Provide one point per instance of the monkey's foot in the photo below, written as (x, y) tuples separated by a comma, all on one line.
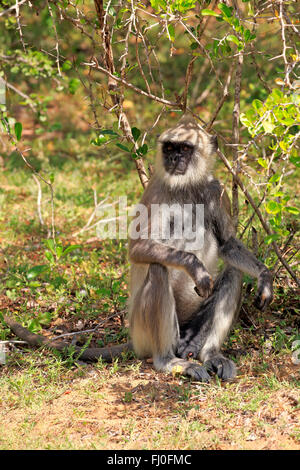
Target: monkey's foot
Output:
[(220, 365), (197, 372), (179, 366)]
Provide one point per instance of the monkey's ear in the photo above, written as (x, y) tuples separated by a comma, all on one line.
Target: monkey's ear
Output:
[(214, 142)]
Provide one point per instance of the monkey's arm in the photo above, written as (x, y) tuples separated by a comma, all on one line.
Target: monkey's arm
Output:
[(233, 252), (150, 251)]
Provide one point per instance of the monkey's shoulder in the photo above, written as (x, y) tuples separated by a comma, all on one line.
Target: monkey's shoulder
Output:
[(218, 194), (212, 189), (213, 194)]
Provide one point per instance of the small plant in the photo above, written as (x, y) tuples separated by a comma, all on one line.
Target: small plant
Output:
[(128, 397), (56, 251)]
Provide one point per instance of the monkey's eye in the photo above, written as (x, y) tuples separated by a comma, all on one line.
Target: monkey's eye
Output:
[(169, 147), (186, 148)]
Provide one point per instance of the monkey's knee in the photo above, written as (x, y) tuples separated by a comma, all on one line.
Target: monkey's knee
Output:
[(209, 327)]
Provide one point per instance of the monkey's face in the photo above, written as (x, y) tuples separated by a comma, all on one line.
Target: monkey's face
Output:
[(185, 153), (177, 156)]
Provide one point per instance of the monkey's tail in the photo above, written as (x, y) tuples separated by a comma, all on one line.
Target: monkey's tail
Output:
[(84, 354)]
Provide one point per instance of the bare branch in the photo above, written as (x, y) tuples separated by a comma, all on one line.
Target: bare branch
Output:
[(84, 354)]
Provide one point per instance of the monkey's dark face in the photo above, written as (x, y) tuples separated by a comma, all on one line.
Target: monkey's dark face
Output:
[(177, 156)]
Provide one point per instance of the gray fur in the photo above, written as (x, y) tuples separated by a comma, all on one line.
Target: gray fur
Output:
[(164, 274)]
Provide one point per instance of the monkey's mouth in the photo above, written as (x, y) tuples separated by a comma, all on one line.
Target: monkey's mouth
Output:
[(176, 170)]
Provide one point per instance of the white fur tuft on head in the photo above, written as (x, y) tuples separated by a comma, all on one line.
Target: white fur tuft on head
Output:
[(188, 130)]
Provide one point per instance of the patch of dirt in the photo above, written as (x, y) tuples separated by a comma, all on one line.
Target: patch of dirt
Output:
[(150, 410)]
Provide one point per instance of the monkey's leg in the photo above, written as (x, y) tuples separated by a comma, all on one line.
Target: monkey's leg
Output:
[(204, 335), (154, 325)]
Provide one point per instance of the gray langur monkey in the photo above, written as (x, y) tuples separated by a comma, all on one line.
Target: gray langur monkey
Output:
[(180, 307)]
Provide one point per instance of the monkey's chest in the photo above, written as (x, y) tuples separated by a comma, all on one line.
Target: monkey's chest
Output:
[(182, 226)]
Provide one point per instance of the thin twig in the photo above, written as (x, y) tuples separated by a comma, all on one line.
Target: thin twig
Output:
[(56, 38), (28, 164), (222, 101), (39, 199), (14, 7), (96, 65), (188, 78), (236, 138)]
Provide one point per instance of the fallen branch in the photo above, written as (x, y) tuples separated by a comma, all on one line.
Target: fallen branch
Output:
[(84, 354)]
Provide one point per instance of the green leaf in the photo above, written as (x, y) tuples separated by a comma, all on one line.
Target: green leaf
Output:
[(135, 133), (73, 85), (262, 162), (59, 250), (143, 149), (67, 65), (227, 11), (34, 284), (49, 243), (100, 140), (268, 125), (171, 31), (207, 12), (277, 95), (295, 160), (122, 147), (49, 256), (247, 35), (274, 178), (45, 318), (18, 130), (158, 4), (292, 210), (271, 238), (108, 132), (34, 326), (278, 193), (234, 39), (36, 271), (273, 207), (257, 105), (70, 249), (248, 118)]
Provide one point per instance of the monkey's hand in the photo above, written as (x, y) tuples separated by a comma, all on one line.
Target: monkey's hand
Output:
[(201, 277), (264, 294), (204, 285)]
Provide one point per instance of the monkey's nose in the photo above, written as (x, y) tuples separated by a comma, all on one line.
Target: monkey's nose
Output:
[(175, 159)]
